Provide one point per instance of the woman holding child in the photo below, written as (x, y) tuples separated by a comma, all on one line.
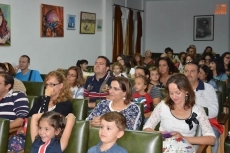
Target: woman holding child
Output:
[(119, 99), (179, 115)]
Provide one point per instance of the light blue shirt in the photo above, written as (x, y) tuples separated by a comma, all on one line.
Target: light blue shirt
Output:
[(35, 76), (114, 149)]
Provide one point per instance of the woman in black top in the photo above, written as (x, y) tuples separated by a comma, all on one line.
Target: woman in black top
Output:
[(57, 96)]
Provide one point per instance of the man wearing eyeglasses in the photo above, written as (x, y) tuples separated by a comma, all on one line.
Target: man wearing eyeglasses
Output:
[(13, 104), (96, 87), (205, 97), (26, 74)]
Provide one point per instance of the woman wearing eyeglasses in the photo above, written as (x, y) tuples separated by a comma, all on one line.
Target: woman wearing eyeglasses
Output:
[(119, 99), (57, 96), (76, 82)]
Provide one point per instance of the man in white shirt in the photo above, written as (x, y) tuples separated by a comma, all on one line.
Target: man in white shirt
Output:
[(205, 96)]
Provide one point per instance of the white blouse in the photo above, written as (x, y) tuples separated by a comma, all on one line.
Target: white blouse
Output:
[(170, 123)]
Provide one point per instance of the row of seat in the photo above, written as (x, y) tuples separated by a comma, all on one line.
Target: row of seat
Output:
[(84, 137)]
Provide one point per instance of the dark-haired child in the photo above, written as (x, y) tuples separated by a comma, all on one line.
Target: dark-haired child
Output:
[(141, 95), (112, 127), (50, 132)]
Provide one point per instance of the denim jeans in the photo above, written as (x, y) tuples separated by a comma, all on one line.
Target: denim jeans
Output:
[(216, 145)]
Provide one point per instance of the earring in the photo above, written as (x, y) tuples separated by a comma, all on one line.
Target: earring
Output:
[(124, 98), (186, 97)]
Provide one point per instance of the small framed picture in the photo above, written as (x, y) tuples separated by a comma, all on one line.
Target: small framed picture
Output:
[(87, 23), (99, 24), (71, 22), (203, 29)]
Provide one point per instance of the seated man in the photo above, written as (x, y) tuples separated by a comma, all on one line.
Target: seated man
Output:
[(205, 97), (26, 74), (96, 87), (13, 104)]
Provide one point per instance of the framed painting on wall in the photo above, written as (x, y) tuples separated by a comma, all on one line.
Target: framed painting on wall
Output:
[(52, 21), (203, 29), (5, 25), (71, 22), (87, 23)]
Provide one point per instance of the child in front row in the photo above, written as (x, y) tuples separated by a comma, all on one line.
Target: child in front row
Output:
[(155, 77), (50, 132), (112, 127), (141, 95)]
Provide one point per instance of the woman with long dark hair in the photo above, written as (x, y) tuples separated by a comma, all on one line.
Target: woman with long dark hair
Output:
[(128, 70), (166, 69)]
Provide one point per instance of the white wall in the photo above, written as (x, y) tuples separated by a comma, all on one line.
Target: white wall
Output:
[(51, 53), (48, 54), (170, 24)]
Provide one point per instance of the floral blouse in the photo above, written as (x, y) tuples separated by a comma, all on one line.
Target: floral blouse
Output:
[(132, 113)]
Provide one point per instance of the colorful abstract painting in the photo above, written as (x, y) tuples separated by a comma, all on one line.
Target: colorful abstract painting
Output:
[(52, 21), (5, 24)]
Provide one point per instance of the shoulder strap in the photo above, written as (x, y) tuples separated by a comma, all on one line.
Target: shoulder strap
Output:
[(31, 71), (103, 84)]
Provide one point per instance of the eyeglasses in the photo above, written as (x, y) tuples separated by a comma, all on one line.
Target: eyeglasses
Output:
[(71, 75), (114, 88), (51, 84)]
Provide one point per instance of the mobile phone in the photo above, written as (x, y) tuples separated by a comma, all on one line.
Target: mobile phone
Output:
[(166, 135)]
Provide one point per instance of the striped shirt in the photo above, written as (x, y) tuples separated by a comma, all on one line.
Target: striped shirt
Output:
[(96, 89), (14, 105)]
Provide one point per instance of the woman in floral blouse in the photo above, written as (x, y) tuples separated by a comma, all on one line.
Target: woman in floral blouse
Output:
[(119, 99)]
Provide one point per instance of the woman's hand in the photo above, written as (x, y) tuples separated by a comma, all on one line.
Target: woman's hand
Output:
[(176, 134), (49, 91), (96, 121)]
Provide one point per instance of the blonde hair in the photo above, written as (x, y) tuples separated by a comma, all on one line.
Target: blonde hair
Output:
[(154, 68), (65, 92), (118, 64)]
